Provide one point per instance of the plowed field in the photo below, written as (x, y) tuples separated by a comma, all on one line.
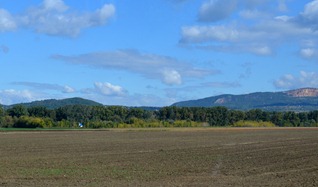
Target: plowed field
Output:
[(161, 157)]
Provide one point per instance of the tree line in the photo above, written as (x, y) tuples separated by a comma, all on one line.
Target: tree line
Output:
[(71, 116)]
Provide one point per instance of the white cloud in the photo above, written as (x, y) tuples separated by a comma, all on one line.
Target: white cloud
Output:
[(309, 18), (283, 18), (108, 89), (308, 52), (169, 70), (57, 5), (11, 96), (305, 79), (171, 77), (7, 22), (131, 100), (257, 49), (54, 17), (46, 86), (216, 10), (311, 10), (252, 14), (105, 93), (54, 20), (68, 89), (197, 34), (107, 11), (109, 94), (32, 91), (261, 34), (262, 50)]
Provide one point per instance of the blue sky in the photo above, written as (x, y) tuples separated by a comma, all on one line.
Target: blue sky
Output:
[(155, 53)]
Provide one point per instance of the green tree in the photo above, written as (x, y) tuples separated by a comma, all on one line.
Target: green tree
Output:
[(254, 115), (39, 111), (18, 111), (218, 116), (277, 118), (2, 112)]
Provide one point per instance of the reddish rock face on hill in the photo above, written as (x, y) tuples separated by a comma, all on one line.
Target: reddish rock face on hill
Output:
[(304, 92)]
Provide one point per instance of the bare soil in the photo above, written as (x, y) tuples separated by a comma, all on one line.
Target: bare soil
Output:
[(161, 157)]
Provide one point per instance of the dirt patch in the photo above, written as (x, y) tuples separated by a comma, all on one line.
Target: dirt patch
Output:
[(161, 157)]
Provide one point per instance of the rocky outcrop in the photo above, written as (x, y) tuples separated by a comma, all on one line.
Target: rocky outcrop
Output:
[(304, 92)]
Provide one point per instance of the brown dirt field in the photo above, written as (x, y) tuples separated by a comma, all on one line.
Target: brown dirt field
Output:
[(161, 157)]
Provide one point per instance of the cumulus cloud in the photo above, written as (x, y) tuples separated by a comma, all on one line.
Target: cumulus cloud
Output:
[(54, 17), (311, 11), (305, 79), (171, 77), (254, 30), (46, 86), (109, 89), (309, 53), (169, 70), (7, 22)]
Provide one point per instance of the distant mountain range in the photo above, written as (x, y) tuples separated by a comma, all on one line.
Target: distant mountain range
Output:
[(54, 103), (304, 99)]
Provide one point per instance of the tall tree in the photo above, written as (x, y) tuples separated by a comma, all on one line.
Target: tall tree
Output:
[(18, 111)]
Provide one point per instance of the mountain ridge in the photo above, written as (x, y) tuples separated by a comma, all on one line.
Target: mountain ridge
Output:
[(56, 103), (303, 92), (303, 99)]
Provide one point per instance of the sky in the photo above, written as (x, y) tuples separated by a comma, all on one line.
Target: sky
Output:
[(155, 53)]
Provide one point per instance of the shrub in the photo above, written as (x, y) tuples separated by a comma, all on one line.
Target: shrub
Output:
[(253, 124), (7, 121), (29, 122)]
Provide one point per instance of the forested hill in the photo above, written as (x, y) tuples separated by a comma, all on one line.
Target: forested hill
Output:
[(54, 103), (305, 99)]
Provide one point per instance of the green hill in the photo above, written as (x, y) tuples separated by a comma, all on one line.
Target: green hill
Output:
[(54, 103), (304, 99)]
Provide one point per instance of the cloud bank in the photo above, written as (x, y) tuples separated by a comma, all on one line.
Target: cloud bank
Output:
[(169, 70), (305, 79), (54, 17), (253, 28), (12, 96), (103, 92), (46, 86)]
